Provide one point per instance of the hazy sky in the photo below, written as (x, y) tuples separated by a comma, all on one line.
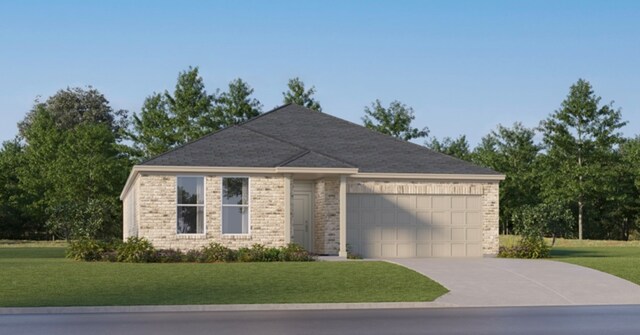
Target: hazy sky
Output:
[(463, 66)]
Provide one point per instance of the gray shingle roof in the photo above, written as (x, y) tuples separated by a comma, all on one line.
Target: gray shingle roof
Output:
[(295, 136)]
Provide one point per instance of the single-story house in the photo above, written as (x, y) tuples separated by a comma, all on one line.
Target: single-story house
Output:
[(329, 185)]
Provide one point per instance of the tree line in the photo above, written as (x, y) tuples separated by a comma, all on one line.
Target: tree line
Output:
[(62, 174)]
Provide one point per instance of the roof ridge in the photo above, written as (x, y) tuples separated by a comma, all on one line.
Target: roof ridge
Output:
[(263, 114), (298, 146), (423, 147), (294, 157)]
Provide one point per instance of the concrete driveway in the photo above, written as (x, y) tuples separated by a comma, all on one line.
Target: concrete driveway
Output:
[(517, 282)]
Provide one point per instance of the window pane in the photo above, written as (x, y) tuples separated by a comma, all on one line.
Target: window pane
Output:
[(235, 220), (190, 219), (190, 190), (235, 191)]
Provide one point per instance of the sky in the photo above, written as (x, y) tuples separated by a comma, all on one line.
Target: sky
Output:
[(463, 66)]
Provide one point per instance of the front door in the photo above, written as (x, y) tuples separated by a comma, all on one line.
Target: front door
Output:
[(302, 219)]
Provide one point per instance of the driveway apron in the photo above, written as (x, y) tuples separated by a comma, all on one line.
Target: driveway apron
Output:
[(517, 282)]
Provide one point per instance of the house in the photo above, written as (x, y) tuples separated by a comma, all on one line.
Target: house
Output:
[(297, 175)]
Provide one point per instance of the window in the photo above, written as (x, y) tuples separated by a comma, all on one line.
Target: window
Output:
[(190, 205), (235, 205)]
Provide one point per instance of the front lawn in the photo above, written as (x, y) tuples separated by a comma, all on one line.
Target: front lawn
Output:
[(41, 276), (621, 261)]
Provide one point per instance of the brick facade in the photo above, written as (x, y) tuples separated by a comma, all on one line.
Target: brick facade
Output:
[(155, 210), (158, 211)]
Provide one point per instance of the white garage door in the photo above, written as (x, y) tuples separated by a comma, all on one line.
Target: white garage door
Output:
[(387, 225)]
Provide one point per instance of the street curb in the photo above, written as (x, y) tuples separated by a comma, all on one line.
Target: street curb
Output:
[(218, 308)]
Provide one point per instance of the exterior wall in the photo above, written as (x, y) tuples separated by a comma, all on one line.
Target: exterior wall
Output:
[(488, 190), (158, 211), (326, 216), (130, 212)]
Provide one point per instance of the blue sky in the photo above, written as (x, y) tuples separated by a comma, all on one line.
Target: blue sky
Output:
[(464, 66)]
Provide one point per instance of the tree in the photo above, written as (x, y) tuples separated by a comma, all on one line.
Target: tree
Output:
[(153, 131), (15, 221), (458, 147), (579, 139), (394, 120), (69, 167), (191, 108), (298, 95), (236, 105), (513, 152), (169, 120)]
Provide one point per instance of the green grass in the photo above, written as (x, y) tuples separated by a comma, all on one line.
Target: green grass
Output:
[(41, 276), (619, 258)]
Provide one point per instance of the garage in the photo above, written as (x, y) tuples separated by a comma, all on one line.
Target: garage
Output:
[(403, 226)]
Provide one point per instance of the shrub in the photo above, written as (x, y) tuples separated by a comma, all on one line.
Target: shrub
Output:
[(295, 253), (530, 224), (194, 256), (216, 252), (136, 250), (86, 249), (168, 256), (258, 253)]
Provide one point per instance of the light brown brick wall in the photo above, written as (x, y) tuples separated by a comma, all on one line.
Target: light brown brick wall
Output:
[(326, 216), (157, 211)]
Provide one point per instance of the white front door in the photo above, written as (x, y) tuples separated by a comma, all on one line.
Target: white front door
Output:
[(302, 219)]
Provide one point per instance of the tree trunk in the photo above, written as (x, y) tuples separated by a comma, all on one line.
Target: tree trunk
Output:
[(580, 206)]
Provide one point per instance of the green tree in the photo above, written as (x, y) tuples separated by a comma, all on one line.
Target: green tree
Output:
[(297, 94), (169, 120), (15, 221), (513, 152), (579, 139), (68, 167), (394, 120), (236, 105), (458, 147)]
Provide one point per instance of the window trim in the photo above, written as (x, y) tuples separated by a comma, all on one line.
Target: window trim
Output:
[(223, 205), (204, 206)]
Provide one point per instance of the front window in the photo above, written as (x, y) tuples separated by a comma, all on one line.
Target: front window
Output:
[(190, 205), (235, 205)]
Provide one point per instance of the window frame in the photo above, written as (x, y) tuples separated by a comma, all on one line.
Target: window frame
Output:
[(203, 205), (223, 205)]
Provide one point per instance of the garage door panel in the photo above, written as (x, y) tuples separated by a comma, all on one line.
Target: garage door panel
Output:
[(423, 234), (406, 234), (441, 203), (423, 218), (387, 201), (404, 217), (423, 250), (474, 203), (415, 225), (441, 218), (474, 250), (406, 250), (389, 234), (458, 218), (441, 250), (458, 234), (441, 233), (458, 203), (389, 250), (474, 235), (474, 219), (458, 250)]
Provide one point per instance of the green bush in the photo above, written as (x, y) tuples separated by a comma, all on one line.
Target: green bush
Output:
[(136, 250), (216, 252), (530, 223), (194, 256), (295, 253), (168, 256), (86, 249)]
